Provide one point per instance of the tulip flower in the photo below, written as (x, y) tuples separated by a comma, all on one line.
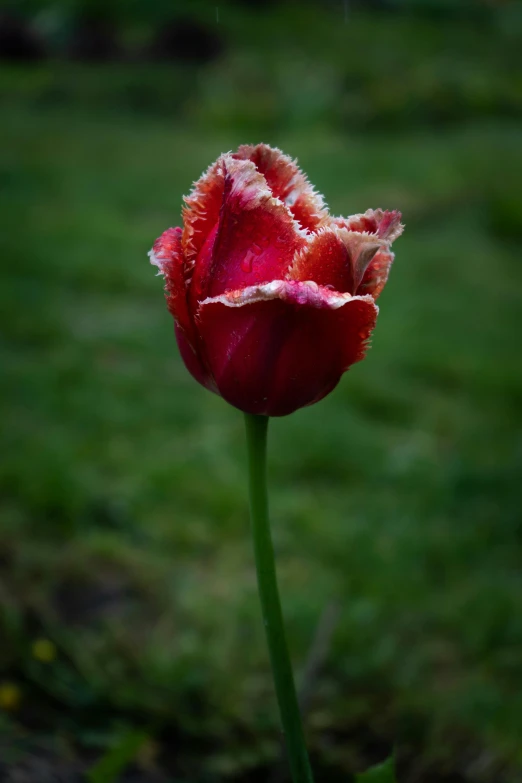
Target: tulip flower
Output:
[(273, 300)]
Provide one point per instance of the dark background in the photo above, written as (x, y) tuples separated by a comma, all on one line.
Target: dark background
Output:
[(131, 639)]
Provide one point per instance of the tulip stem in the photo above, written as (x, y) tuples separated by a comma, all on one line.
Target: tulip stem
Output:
[(256, 432)]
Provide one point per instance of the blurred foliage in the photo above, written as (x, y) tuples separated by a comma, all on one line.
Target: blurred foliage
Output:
[(352, 73), (383, 773), (124, 536), (109, 768)]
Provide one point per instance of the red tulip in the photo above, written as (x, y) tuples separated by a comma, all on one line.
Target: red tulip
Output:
[(272, 298)]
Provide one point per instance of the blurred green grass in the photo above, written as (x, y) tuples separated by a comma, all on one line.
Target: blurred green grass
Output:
[(124, 533)]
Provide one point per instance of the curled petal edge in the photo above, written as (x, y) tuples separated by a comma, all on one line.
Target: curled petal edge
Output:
[(288, 183), (254, 239), (201, 210), (250, 189), (307, 293), (346, 257), (384, 224), (167, 256), (204, 203)]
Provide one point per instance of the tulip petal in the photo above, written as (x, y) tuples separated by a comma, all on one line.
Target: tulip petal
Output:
[(287, 183), (201, 212), (361, 250), (278, 347), (324, 260), (384, 226), (382, 223), (336, 258), (167, 255), (254, 241), (193, 362), (376, 275)]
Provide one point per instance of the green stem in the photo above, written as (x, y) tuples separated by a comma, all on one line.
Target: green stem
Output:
[(256, 431)]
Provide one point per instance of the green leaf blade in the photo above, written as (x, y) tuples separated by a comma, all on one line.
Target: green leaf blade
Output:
[(382, 773), (112, 764)]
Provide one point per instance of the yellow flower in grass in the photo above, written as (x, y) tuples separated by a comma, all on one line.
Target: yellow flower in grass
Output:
[(10, 696), (44, 650)]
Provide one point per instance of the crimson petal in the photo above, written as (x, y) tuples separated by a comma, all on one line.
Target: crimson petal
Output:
[(201, 212), (167, 255), (288, 183), (324, 260), (255, 240), (278, 347), (383, 224), (336, 258), (376, 275)]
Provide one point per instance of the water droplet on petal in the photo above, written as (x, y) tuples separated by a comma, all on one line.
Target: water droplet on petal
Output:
[(246, 263)]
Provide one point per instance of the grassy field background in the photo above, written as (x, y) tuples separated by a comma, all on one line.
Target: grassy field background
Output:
[(396, 502)]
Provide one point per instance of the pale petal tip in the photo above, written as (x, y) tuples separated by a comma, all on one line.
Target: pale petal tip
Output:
[(157, 262)]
